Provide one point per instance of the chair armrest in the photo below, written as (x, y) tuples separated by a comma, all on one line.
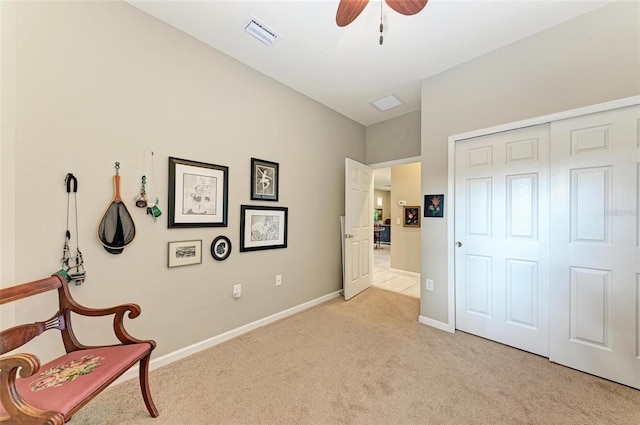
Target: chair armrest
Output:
[(118, 313), (12, 402), (68, 305)]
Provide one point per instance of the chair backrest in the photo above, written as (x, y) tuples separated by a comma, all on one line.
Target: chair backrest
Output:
[(17, 336)]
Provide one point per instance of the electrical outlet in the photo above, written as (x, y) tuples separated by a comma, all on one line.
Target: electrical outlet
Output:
[(429, 284), (237, 290), (278, 279)]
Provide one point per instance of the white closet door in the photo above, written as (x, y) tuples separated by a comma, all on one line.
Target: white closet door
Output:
[(595, 238), (502, 230)]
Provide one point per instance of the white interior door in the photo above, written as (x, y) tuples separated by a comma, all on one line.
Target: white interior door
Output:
[(595, 294), (358, 246), (501, 229)]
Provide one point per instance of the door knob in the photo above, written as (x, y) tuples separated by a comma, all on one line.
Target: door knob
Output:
[(348, 236), (458, 244)]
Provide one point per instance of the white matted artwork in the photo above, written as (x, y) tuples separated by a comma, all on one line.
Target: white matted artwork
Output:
[(197, 194), (185, 253), (263, 227)]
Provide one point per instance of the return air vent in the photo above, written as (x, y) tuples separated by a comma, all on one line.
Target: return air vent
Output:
[(261, 32), (387, 102)]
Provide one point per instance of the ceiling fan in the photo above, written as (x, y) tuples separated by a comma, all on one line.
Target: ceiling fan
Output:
[(348, 10)]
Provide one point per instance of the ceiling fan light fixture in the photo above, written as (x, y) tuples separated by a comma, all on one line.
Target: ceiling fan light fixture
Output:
[(388, 102), (262, 32)]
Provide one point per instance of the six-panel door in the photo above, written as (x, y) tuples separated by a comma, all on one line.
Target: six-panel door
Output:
[(501, 222)]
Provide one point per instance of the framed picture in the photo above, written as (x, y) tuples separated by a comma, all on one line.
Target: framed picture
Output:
[(378, 215), (411, 216), (197, 194), (185, 253), (262, 227), (220, 248), (433, 205), (264, 180)]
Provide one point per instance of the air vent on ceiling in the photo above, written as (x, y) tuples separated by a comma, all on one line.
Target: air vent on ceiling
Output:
[(261, 32), (387, 102)]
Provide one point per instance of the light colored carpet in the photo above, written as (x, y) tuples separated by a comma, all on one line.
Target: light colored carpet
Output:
[(365, 361)]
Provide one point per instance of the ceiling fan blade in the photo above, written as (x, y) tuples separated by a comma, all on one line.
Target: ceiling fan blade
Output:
[(407, 7), (348, 11)]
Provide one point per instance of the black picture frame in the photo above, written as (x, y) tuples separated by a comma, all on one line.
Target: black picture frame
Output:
[(221, 248), (434, 205), (265, 178), (263, 227), (198, 194)]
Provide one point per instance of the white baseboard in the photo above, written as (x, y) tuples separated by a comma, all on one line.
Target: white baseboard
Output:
[(218, 339), (404, 272), (436, 324)]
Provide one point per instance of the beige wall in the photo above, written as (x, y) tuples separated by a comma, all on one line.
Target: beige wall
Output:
[(397, 138), (590, 59), (391, 142), (405, 241), (7, 153), (98, 82), (386, 203)]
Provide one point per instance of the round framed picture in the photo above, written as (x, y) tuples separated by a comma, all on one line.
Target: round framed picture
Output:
[(220, 248)]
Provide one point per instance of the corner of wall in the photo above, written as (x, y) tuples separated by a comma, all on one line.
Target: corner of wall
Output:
[(7, 152)]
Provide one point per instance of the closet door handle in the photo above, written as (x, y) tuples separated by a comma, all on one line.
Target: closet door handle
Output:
[(458, 244)]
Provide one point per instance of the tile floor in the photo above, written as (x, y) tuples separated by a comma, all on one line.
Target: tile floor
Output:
[(389, 280)]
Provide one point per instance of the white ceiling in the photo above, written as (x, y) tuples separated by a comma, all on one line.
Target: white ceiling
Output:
[(346, 68), (382, 178)]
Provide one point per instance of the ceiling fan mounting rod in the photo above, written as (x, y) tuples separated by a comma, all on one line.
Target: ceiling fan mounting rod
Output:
[(381, 26)]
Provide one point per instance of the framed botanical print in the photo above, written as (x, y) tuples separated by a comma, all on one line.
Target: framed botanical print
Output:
[(434, 205), (264, 180), (197, 194), (411, 216)]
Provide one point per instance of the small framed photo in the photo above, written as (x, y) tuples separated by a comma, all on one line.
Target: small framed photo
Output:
[(185, 253), (197, 194), (262, 227), (264, 180), (411, 216), (433, 205), (220, 248)]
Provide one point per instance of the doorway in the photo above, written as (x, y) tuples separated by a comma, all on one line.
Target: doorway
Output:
[(397, 248)]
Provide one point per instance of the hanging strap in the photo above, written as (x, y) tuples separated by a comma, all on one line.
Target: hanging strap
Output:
[(76, 271), (71, 179)]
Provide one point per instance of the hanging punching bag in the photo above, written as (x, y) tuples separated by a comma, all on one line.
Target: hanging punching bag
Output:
[(116, 229)]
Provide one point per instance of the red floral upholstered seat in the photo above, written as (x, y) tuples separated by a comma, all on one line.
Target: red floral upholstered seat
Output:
[(62, 384)]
